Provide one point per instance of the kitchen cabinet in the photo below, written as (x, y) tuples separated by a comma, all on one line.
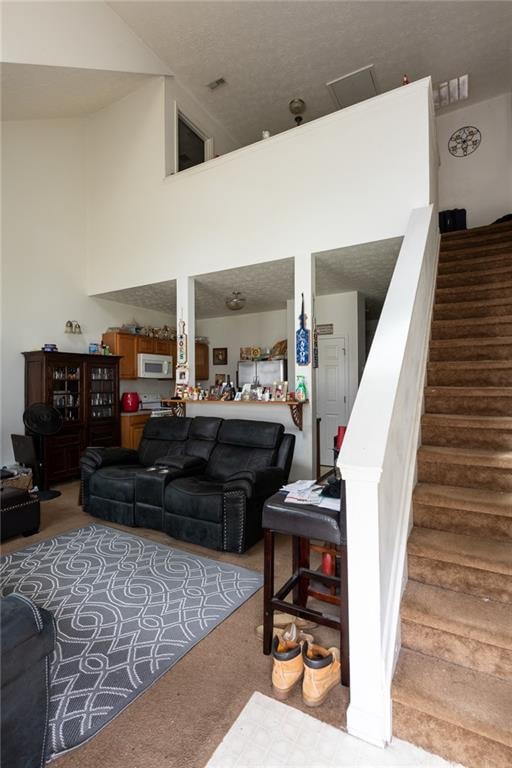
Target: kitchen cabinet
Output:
[(132, 427), (85, 390), (129, 345), (202, 362)]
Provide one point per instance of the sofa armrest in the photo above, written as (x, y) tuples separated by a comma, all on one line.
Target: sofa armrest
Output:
[(96, 457), (27, 635), (185, 463), (258, 482)]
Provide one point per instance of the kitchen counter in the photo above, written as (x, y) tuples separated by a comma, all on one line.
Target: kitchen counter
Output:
[(180, 406)]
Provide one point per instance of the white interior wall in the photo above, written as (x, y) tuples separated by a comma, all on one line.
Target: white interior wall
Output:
[(482, 181), (43, 257), (260, 329), (238, 209)]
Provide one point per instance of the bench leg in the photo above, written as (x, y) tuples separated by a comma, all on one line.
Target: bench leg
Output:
[(268, 591), (344, 642)]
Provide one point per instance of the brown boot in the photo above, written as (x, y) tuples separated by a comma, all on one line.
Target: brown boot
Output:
[(288, 667), (322, 672)]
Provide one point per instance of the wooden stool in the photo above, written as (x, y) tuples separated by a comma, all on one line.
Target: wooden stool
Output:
[(305, 523)]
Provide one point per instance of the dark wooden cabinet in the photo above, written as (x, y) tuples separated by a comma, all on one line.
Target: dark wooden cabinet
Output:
[(202, 362), (85, 390)]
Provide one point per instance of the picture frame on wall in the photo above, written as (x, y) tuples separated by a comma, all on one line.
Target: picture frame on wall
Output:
[(220, 355)]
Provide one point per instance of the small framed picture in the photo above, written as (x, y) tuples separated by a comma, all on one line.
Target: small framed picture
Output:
[(280, 390), (246, 392), (245, 353), (214, 393), (238, 396), (220, 379), (220, 355)]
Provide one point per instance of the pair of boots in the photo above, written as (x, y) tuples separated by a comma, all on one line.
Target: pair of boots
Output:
[(319, 668)]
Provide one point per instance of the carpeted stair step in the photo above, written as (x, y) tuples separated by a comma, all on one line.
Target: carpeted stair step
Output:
[(466, 431), (486, 348), (476, 250), (462, 629), (458, 713), (472, 327), (475, 264), (470, 373), (500, 289), (485, 234), (489, 307), (467, 467), (470, 276), (491, 238), (468, 564), (468, 511), (477, 401)]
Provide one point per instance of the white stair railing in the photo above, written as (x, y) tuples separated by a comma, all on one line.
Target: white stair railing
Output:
[(378, 461)]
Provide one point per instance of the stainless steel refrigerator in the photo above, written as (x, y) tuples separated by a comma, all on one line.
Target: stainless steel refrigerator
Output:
[(263, 373)]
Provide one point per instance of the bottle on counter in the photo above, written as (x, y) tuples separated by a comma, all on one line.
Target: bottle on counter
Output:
[(301, 392)]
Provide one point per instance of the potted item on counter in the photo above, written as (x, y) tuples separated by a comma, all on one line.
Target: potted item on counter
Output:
[(130, 402)]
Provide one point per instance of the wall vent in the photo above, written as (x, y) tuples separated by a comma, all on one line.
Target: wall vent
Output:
[(355, 87)]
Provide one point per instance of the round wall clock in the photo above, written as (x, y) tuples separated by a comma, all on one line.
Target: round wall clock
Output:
[(464, 141)]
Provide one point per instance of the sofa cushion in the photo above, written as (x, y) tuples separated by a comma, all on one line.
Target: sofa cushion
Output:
[(202, 436), (252, 434), (115, 483), (244, 444), (163, 436), (195, 497)]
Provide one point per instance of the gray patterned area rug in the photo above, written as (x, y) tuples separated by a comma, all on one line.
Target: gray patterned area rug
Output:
[(126, 610)]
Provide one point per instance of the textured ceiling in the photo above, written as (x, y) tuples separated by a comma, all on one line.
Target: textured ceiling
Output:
[(366, 268), (270, 52), (35, 92)]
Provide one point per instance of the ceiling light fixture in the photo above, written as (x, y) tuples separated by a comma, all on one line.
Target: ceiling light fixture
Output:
[(297, 107), (237, 301)]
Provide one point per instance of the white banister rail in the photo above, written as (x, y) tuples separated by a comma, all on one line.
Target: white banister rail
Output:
[(378, 461)]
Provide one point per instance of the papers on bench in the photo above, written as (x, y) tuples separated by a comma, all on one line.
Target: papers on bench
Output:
[(303, 492)]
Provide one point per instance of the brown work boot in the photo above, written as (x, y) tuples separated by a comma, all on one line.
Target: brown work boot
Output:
[(322, 672), (287, 667)]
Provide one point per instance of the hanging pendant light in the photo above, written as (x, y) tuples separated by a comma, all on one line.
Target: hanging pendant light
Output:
[(237, 301)]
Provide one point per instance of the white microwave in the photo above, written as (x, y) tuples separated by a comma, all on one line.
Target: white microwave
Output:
[(154, 366)]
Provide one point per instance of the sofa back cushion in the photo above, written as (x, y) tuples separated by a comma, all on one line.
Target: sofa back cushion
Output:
[(244, 444), (163, 436), (202, 436)]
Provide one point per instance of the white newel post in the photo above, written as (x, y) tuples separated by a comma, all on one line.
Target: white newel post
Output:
[(369, 712), (186, 310), (304, 283)]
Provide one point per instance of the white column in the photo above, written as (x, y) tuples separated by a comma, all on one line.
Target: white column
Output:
[(305, 448), (186, 311), (369, 711)]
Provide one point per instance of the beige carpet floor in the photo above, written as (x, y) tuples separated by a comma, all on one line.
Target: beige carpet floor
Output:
[(182, 718)]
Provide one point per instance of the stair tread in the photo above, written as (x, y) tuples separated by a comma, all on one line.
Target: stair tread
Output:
[(464, 288), (502, 269), (493, 259), (471, 422), (478, 341), (472, 617), (469, 391), (490, 302), (482, 231), (468, 499), (460, 549), (471, 364), (463, 697), (484, 457), (451, 322)]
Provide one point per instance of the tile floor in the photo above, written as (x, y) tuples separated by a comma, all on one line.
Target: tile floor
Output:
[(270, 734)]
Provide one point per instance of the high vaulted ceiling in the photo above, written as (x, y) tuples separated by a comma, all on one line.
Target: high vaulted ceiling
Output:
[(270, 52)]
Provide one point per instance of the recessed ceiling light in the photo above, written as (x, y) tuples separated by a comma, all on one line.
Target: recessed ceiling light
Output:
[(216, 83)]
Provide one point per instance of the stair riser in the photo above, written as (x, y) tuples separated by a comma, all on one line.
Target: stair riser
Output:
[(473, 293), (474, 277), (466, 377), (460, 578), (464, 405), (459, 310), (464, 475), (486, 329), (476, 264), (448, 740), (463, 522), (466, 437), (476, 251), (457, 649), (471, 352)]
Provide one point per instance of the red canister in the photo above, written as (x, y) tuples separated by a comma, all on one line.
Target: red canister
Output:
[(130, 402)]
